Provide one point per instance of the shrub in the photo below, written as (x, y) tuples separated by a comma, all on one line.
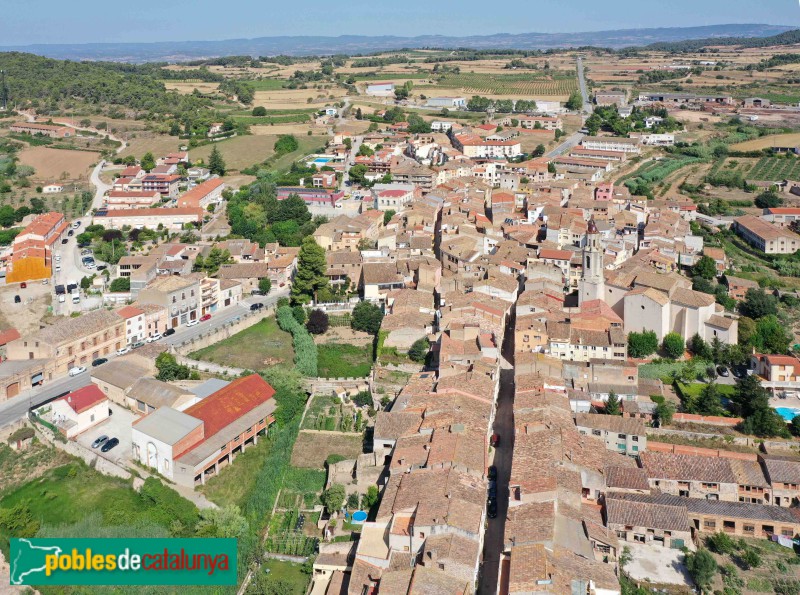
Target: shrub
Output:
[(318, 322), (673, 345), (367, 317), (305, 351), (419, 350), (642, 344)]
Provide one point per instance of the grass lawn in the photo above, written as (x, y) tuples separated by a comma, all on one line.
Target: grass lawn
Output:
[(693, 390), (255, 348), (235, 482), (312, 450), (344, 361), (306, 145), (289, 573), (239, 152)]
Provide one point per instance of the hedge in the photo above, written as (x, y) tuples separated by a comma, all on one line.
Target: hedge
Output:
[(305, 350)]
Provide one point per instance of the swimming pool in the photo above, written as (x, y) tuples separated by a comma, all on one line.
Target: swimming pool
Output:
[(787, 413), (321, 160), (359, 516)]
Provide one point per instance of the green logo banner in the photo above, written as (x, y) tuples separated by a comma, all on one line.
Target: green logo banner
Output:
[(88, 561)]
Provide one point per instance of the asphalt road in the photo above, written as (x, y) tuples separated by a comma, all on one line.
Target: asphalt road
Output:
[(16, 407), (587, 105), (573, 141)]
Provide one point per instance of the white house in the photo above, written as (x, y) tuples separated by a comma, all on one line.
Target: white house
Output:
[(448, 102), (52, 188), (331, 111), (78, 411)]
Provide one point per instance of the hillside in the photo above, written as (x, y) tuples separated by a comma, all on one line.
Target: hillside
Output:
[(179, 51)]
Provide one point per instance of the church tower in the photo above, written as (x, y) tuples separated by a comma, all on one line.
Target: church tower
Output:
[(592, 281)]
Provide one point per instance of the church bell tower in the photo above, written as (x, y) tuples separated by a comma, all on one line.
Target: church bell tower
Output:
[(592, 281)]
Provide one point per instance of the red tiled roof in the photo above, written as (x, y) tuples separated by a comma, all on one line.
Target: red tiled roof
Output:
[(784, 211), (555, 254), (199, 192), (228, 404), (9, 335), (84, 398), (129, 312)]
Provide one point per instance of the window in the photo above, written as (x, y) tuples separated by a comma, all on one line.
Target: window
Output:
[(749, 528), (596, 433), (709, 524), (635, 438)]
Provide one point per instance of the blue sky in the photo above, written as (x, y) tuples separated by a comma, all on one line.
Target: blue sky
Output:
[(62, 21)]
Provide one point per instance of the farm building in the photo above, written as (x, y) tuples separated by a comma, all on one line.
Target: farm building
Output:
[(52, 188), (382, 89), (42, 130), (448, 102)]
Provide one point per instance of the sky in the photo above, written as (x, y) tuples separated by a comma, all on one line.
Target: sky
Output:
[(24, 22)]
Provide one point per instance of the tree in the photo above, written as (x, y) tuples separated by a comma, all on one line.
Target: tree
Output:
[(264, 285), (708, 403), (702, 567), (387, 216), (259, 111), (86, 282), (771, 336), (371, 498), (642, 344), (216, 164), (170, 369), (575, 101), (333, 497), (419, 350), (318, 322), (539, 150), (299, 314), (794, 426), (768, 200), (292, 208), (612, 404), (367, 317), (664, 413), (706, 268), (698, 347), (311, 269), (121, 284), (227, 521), (756, 304), (148, 162), (673, 345)]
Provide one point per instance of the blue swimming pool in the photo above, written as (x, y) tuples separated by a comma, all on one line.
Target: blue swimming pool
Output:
[(359, 516), (787, 413), (321, 160)]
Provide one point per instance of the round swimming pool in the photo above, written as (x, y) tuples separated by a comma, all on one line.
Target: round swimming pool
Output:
[(359, 516)]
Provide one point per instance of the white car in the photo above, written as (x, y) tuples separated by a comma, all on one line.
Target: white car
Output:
[(124, 350), (58, 267), (61, 299), (76, 370), (192, 322), (154, 338)]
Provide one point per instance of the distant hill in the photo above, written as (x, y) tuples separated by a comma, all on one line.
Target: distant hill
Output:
[(691, 45), (180, 51)]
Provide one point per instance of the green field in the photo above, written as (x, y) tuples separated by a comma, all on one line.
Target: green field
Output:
[(267, 84), (344, 361), (234, 483), (260, 346), (775, 169), (528, 84), (267, 120)]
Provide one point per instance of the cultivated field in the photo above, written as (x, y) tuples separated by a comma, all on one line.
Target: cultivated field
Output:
[(533, 84), (58, 164), (312, 448), (775, 169), (188, 87), (766, 142), (298, 98), (238, 152), (157, 144)]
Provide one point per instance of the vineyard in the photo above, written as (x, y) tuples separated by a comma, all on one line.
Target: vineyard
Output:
[(776, 169), (511, 84)]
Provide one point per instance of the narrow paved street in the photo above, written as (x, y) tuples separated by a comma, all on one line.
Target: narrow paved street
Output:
[(504, 426)]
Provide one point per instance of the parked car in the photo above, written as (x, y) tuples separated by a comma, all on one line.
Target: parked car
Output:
[(109, 444), (205, 317), (17, 299), (65, 240), (61, 298), (45, 281), (59, 289), (723, 371), (192, 322), (101, 267), (492, 474), (124, 350), (70, 233), (491, 508), (153, 338), (169, 331), (137, 345), (75, 370), (99, 440), (495, 440), (99, 362), (58, 267), (492, 490), (254, 307), (23, 285)]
